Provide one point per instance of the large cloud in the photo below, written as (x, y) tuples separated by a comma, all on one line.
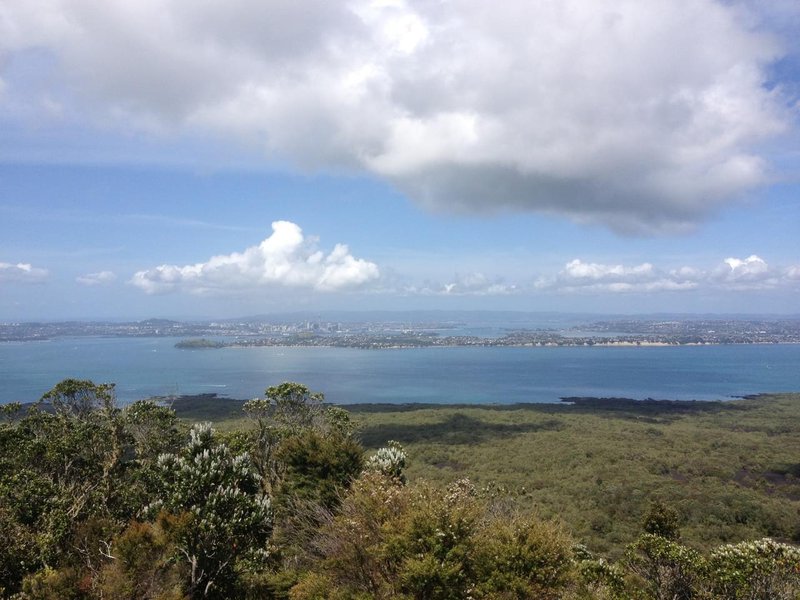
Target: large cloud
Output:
[(640, 114), (286, 259), (21, 273)]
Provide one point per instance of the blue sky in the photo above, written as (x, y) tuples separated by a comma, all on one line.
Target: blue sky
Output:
[(175, 159)]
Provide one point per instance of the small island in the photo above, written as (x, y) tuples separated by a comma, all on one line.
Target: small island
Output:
[(199, 344)]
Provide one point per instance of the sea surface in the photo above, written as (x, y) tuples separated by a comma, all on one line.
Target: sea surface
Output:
[(144, 367)]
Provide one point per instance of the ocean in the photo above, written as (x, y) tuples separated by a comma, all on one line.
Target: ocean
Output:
[(144, 367)]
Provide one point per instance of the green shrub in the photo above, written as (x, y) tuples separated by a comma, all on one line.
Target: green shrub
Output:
[(668, 569)]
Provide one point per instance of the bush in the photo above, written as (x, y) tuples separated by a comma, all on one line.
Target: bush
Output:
[(391, 541), (229, 517), (760, 570), (669, 570), (143, 565), (524, 558)]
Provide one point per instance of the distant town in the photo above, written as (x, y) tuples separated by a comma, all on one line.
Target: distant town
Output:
[(411, 334)]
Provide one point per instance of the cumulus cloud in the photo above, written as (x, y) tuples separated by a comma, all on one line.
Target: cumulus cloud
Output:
[(578, 270), (101, 278), (752, 267), (732, 274), (286, 258), (643, 115), (752, 272), (21, 273), (579, 276)]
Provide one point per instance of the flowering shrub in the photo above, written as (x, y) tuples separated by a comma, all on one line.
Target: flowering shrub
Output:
[(759, 570), (601, 578), (670, 570), (389, 461), (230, 517)]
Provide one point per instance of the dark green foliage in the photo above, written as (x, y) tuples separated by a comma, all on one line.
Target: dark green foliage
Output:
[(51, 584), (18, 551), (206, 407), (60, 469), (317, 467), (662, 521), (73, 460), (80, 397), (154, 429), (294, 406), (307, 457), (302, 448)]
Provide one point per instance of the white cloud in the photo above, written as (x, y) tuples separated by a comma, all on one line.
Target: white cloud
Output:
[(576, 269), (583, 277), (752, 267), (101, 278), (643, 115), (473, 284), (21, 273), (286, 259), (733, 274), (752, 272)]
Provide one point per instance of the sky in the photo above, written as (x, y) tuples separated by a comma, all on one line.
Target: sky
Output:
[(185, 159)]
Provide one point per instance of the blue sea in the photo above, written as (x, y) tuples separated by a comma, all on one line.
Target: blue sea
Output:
[(144, 367)]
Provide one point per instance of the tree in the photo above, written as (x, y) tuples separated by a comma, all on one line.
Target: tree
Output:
[(153, 429), (60, 467), (80, 397), (303, 450), (307, 457), (287, 409), (662, 520)]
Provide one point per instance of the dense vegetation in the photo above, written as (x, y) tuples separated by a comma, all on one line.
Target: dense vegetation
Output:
[(585, 501), (730, 469)]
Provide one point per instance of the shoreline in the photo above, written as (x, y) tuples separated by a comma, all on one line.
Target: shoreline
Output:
[(643, 344), (188, 404)]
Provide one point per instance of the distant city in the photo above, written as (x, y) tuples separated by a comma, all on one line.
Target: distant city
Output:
[(422, 333)]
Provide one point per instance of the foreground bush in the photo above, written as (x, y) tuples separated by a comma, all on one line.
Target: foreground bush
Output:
[(392, 541), (227, 518), (760, 570)]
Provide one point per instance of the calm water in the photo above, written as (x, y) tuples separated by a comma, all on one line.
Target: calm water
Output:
[(147, 367)]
